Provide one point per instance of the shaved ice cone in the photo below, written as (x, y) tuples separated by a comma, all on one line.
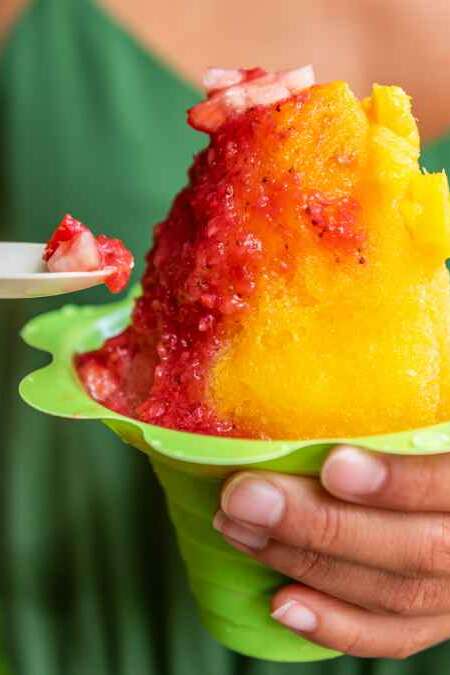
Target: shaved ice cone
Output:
[(296, 290)]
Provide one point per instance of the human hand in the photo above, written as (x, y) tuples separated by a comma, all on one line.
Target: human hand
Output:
[(368, 545)]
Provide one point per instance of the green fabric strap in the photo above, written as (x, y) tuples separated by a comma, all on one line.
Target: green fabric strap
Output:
[(90, 579)]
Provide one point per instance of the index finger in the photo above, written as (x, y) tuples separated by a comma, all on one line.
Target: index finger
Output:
[(398, 482)]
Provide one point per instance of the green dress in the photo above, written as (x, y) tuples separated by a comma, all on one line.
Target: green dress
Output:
[(90, 579)]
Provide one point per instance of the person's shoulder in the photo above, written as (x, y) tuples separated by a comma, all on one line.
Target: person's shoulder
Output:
[(9, 13)]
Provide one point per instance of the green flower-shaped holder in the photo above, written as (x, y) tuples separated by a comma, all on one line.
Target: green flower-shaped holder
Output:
[(232, 591)]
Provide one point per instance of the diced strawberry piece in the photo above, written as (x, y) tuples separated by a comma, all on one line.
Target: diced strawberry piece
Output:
[(253, 73), (99, 380), (114, 254), (231, 92), (66, 230), (73, 248), (216, 79), (79, 254), (210, 114)]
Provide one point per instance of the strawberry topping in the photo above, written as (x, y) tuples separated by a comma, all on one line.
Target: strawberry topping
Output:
[(73, 248)]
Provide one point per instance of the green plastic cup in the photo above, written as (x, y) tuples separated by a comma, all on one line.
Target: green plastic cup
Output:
[(232, 591)]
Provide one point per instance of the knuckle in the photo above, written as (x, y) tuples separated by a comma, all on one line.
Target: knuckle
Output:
[(434, 597), (309, 564), (421, 486), (326, 527), (437, 557), (407, 597)]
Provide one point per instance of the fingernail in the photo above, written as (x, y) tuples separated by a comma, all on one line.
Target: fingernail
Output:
[(295, 616), (253, 500), (239, 533), (353, 472)]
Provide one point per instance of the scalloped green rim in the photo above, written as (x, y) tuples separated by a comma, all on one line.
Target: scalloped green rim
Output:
[(56, 390)]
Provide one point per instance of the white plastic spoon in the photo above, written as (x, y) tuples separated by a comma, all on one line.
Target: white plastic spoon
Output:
[(24, 275)]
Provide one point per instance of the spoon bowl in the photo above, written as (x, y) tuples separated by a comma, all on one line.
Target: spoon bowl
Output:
[(23, 274)]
